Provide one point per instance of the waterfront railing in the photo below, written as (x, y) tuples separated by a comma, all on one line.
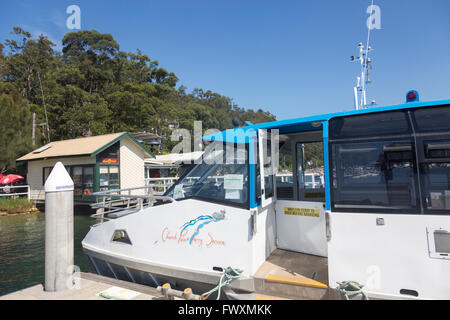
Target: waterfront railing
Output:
[(15, 191)]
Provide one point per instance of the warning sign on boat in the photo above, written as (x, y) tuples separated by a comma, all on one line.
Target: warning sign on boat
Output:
[(305, 212)]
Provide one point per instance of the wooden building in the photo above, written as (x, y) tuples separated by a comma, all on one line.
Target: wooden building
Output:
[(95, 163)]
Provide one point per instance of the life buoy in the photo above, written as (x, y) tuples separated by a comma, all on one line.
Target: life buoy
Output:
[(87, 192)]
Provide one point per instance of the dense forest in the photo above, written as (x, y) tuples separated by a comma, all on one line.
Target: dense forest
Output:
[(93, 87)]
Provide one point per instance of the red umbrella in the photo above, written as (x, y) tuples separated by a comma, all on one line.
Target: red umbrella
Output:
[(10, 178)]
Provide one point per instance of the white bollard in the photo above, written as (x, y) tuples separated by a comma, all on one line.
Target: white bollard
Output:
[(58, 229)]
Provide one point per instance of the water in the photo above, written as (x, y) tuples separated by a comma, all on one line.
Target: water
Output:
[(22, 256)]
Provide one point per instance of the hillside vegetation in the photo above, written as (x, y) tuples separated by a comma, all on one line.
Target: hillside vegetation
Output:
[(92, 86)]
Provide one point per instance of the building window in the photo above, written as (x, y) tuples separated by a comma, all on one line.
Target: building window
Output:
[(83, 179), (88, 177), (45, 173), (109, 177), (110, 155), (77, 177)]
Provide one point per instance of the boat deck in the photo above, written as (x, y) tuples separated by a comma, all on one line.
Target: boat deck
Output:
[(294, 275), (290, 263)]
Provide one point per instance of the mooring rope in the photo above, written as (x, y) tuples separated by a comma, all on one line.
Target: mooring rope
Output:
[(230, 274), (351, 288)]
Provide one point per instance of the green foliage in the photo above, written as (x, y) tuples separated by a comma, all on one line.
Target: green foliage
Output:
[(92, 86), (314, 155), (15, 125), (17, 205)]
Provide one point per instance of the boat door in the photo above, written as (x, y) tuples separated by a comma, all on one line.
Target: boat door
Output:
[(300, 202)]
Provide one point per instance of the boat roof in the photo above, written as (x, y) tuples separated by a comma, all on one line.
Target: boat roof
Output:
[(310, 123)]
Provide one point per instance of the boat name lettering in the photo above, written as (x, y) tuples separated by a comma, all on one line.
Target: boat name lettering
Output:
[(184, 237)]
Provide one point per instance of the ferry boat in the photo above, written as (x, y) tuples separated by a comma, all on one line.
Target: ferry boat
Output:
[(381, 218)]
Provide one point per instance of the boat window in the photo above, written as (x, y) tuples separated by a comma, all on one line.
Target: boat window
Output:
[(268, 175), (223, 176), (437, 149), (435, 173), (285, 175), (370, 125), (436, 181), (435, 119), (310, 170), (121, 236), (433, 142), (374, 176)]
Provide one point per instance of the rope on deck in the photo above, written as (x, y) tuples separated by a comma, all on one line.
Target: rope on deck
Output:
[(351, 289), (229, 275)]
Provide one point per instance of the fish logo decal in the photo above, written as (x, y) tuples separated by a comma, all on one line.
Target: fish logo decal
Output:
[(201, 221)]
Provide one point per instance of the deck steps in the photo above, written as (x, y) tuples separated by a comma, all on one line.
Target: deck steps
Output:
[(291, 287), (290, 275)]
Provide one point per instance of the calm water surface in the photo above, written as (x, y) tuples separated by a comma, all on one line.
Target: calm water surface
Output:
[(22, 257)]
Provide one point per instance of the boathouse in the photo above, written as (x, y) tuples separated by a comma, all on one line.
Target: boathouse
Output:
[(95, 163)]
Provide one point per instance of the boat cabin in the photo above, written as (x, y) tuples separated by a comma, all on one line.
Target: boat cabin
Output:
[(380, 216)]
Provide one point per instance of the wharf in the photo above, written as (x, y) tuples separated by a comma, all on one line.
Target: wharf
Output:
[(90, 285)]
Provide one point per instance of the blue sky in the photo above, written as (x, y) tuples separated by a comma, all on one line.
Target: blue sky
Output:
[(288, 57)]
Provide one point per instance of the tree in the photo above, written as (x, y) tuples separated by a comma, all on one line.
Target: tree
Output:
[(2, 62), (92, 86), (28, 66), (15, 126), (93, 53)]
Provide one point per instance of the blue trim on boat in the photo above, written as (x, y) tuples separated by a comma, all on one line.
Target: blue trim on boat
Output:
[(240, 135), (326, 167), (252, 175)]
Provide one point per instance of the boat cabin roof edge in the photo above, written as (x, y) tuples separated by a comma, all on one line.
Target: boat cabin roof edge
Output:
[(309, 123)]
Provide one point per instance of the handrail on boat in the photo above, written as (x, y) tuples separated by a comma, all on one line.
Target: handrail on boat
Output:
[(115, 201)]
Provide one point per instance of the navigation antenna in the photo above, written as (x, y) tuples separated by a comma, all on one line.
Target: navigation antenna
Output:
[(359, 91)]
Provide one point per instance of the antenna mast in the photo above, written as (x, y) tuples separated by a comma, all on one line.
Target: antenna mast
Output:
[(359, 91)]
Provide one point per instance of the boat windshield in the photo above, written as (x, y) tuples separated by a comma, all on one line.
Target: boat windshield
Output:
[(223, 177)]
